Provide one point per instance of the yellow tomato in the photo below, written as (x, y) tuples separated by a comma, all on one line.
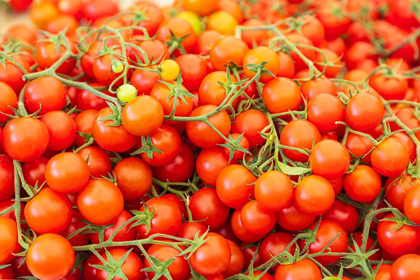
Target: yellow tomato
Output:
[(222, 22), (170, 70)]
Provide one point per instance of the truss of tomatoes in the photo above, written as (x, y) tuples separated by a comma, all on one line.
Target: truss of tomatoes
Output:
[(213, 140)]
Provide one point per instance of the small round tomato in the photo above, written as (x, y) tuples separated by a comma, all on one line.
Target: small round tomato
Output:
[(398, 239), (112, 138), (329, 159), (200, 7), (275, 244), (212, 91), (45, 94), (98, 161), (237, 260), (292, 219), (226, 50), (240, 232), (179, 28), (212, 257), (76, 223), (67, 173), (299, 134), (252, 37), (131, 267), (179, 269), (7, 177), (103, 72), (12, 75), (287, 66), (324, 110), (144, 81), (296, 270), (364, 112), (88, 101), (167, 218), (46, 55), (235, 186), (34, 171), (43, 12), (257, 220), (205, 41), (251, 123), (8, 240), (134, 177), (84, 123), (210, 162), (100, 209), (314, 201), (48, 212), (193, 70), (259, 55), (363, 184), (153, 17), (50, 256), (328, 230), (125, 234), (390, 158), (406, 267), (142, 115), (389, 88), (201, 134), (310, 54), (188, 230), (8, 100), (222, 22), (274, 191), (25, 139), (316, 86), (281, 95), (411, 204), (397, 189), (331, 63), (359, 146), (7, 273), (344, 214), (207, 207), (61, 129)]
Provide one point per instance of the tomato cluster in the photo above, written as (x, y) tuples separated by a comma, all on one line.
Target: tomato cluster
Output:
[(217, 139)]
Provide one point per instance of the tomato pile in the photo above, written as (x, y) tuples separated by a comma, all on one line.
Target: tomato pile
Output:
[(215, 139)]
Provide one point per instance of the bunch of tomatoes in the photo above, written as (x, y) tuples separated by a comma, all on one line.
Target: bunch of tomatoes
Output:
[(217, 139)]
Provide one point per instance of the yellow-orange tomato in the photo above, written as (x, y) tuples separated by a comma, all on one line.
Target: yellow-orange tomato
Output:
[(42, 13), (262, 54), (200, 7), (222, 22)]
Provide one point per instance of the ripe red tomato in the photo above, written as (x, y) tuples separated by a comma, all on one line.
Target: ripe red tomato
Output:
[(103, 72), (210, 162), (274, 191), (390, 158), (299, 134), (179, 269), (257, 220), (234, 186), (76, 223), (84, 123), (212, 91), (188, 230), (237, 260), (397, 189), (344, 214), (12, 75), (310, 54), (50, 256), (131, 267), (314, 201), (240, 231), (61, 129), (8, 240), (275, 244), (329, 159), (324, 110), (389, 88), (167, 218), (359, 146), (281, 95), (411, 204), (153, 17), (406, 267), (102, 209), (364, 112), (193, 70), (7, 178), (46, 55), (292, 219), (297, 269), (125, 234), (316, 86), (143, 80), (326, 232), (398, 240), (48, 212), (226, 50), (201, 134), (98, 161), (8, 100), (363, 184), (258, 55), (250, 123), (212, 257), (207, 207), (25, 139), (179, 28), (180, 169), (86, 100)]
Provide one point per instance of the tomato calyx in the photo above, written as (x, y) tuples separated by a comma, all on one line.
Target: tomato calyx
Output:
[(176, 91), (399, 218), (259, 69), (359, 260), (175, 43), (233, 146), (111, 266), (58, 40), (160, 268), (147, 147), (143, 217), (115, 117)]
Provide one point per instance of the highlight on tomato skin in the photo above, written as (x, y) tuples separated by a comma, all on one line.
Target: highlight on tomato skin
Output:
[(210, 139)]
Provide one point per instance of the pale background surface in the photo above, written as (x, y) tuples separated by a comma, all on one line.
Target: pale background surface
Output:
[(7, 19)]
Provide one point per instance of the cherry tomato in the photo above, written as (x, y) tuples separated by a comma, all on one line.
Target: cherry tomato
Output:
[(297, 269), (8, 101), (250, 123), (226, 50), (344, 214), (275, 244), (179, 269), (364, 112), (406, 267), (8, 240), (240, 231), (324, 110), (281, 95), (257, 220), (390, 158), (259, 55), (363, 184)]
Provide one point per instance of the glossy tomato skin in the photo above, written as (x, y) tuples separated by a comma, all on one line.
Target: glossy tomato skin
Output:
[(144, 81), (76, 223), (314, 201), (48, 212), (202, 134), (326, 232), (258, 55), (210, 162), (50, 256), (179, 27), (46, 55), (103, 209), (344, 214), (8, 101), (257, 220), (112, 138), (103, 73), (398, 187), (406, 267), (212, 91), (318, 86), (281, 95), (98, 161), (390, 158), (226, 50), (142, 115), (67, 173), (237, 260), (359, 146), (324, 110), (389, 88), (364, 112), (180, 169), (275, 244), (25, 139), (212, 257), (294, 220), (329, 159), (188, 230), (7, 273), (404, 240), (179, 269), (205, 205), (299, 134), (131, 266), (125, 234), (234, 186), (7, 178), (166, 220), (84, 123), (61, 130), (8, 240), (411, 207), (274, 191), (240, 231), (12, 75), (250, 123), (88, 101), (363, 184), (296, 270)]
